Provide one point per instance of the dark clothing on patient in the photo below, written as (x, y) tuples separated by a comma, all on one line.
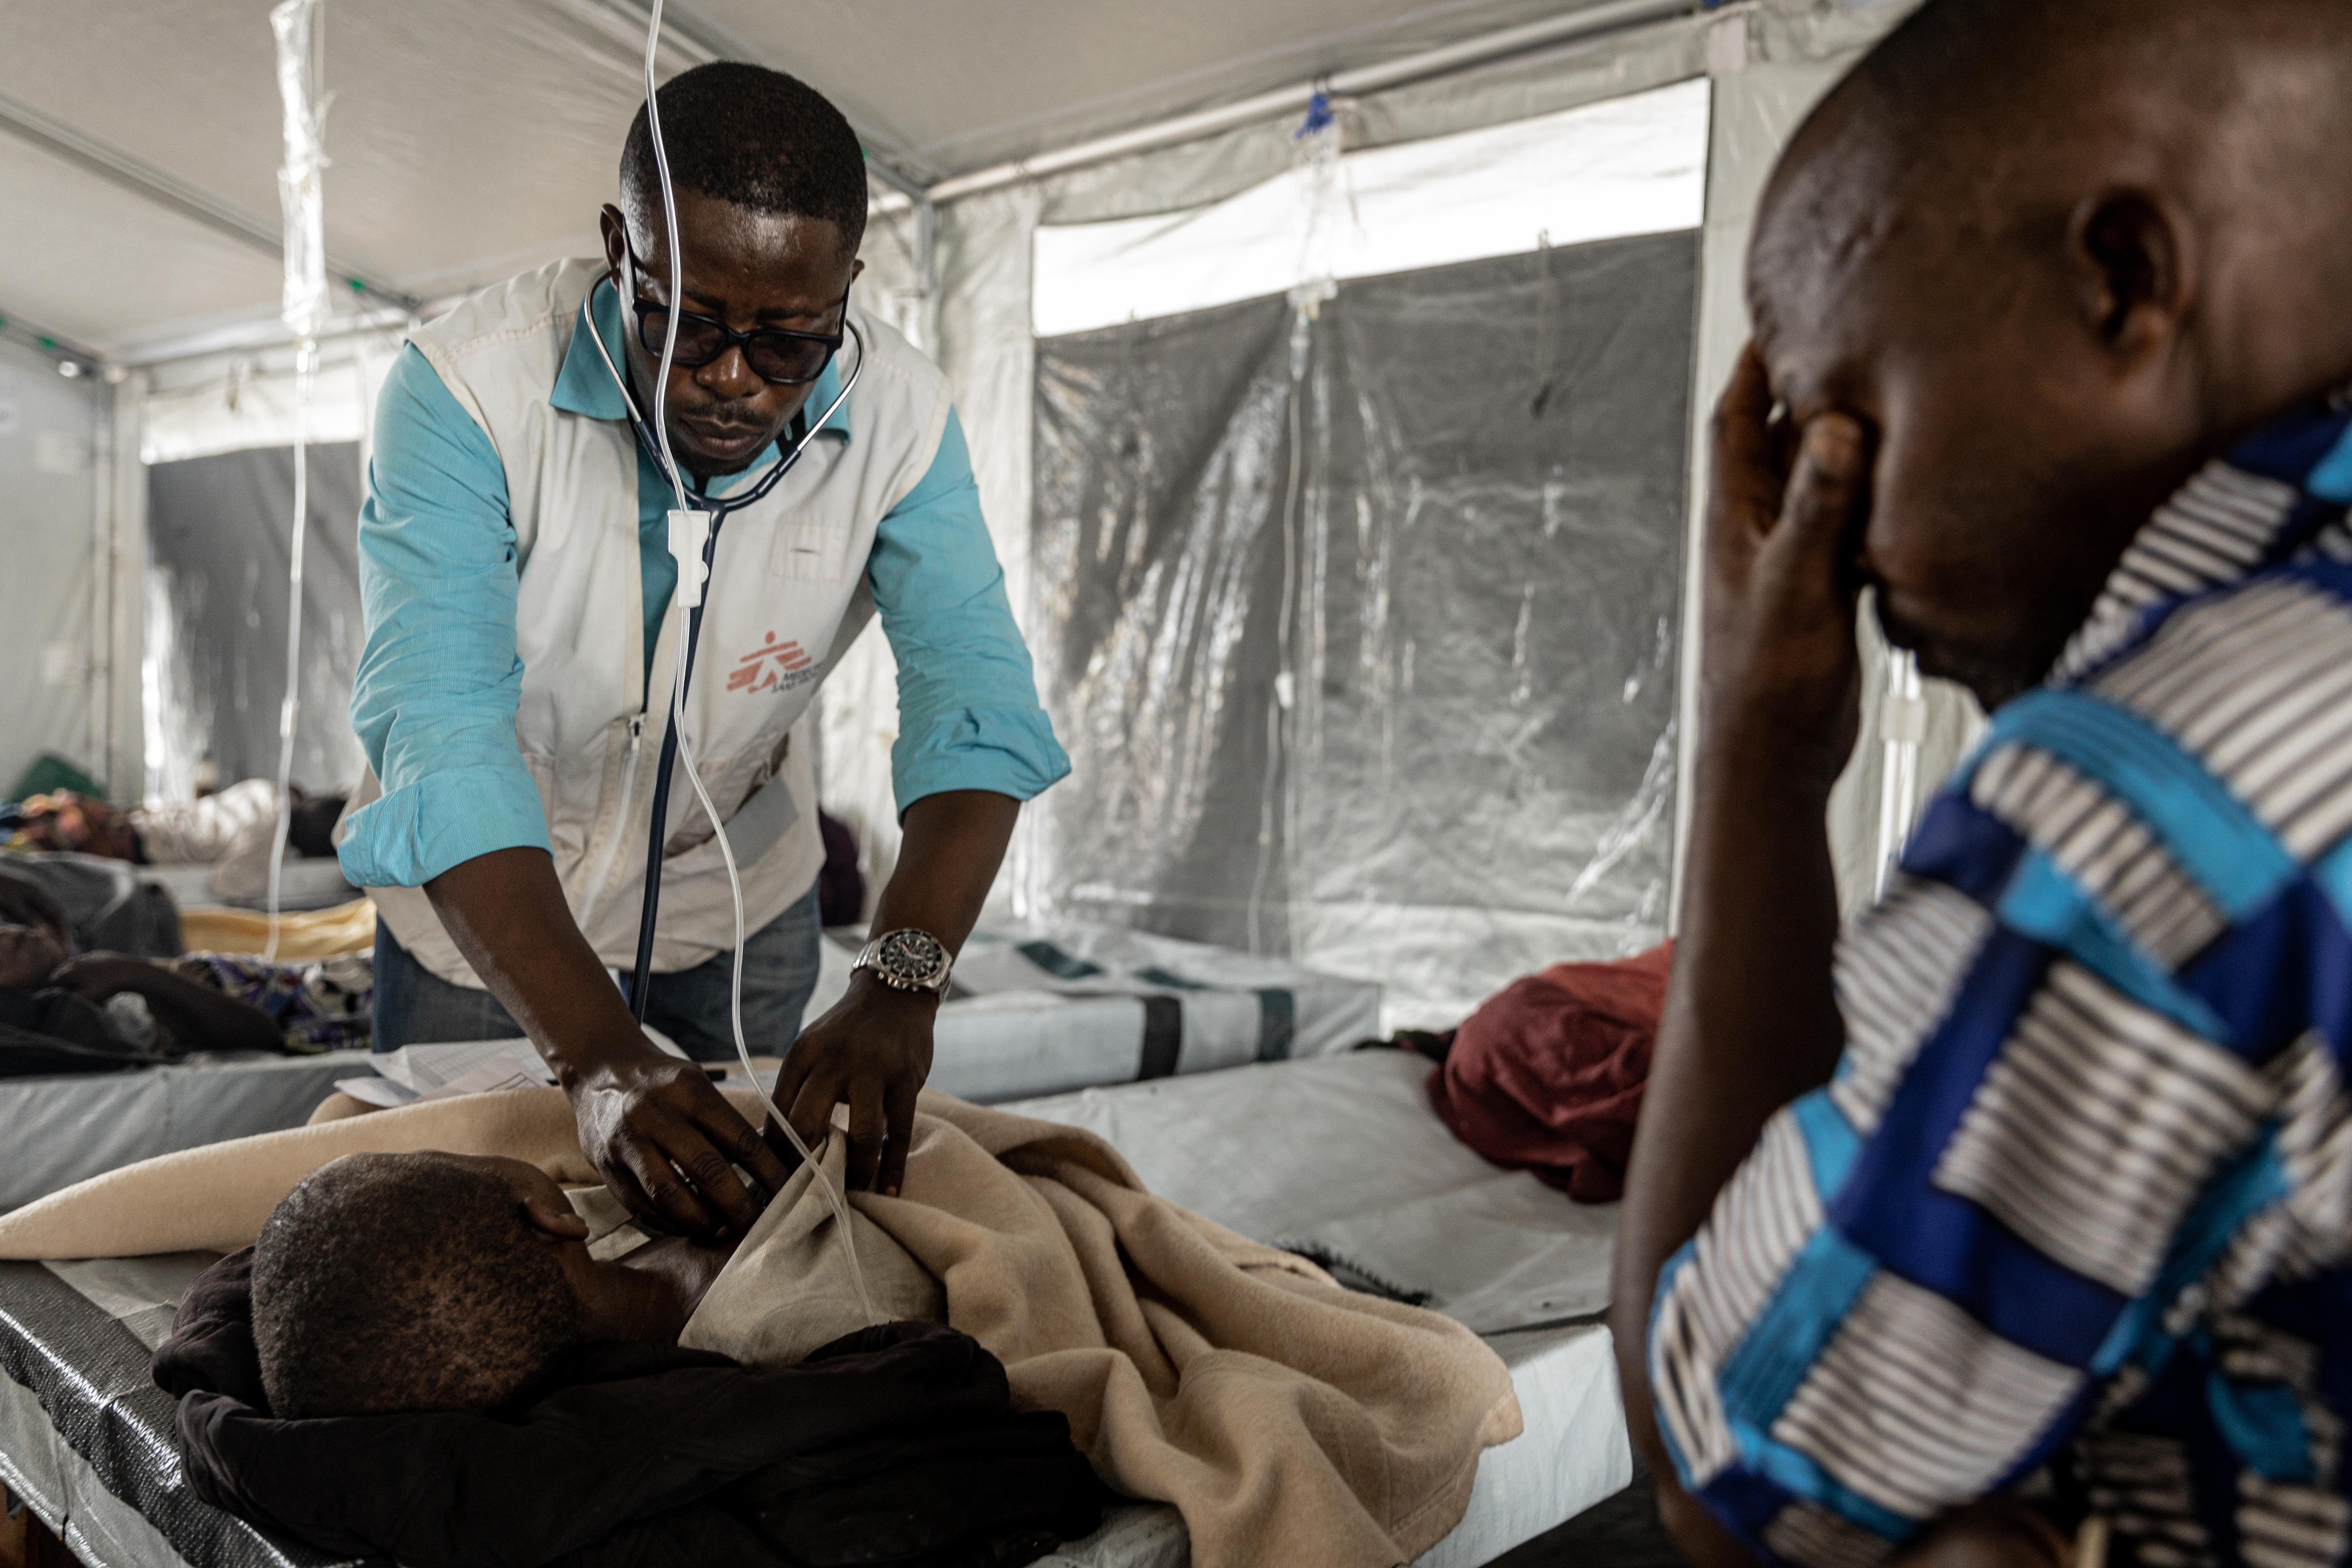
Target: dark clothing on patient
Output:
[(108, 907), (54, 1031), (894, 1448)]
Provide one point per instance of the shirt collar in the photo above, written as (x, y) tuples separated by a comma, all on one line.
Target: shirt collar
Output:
[(585, 385), (2240, 514)]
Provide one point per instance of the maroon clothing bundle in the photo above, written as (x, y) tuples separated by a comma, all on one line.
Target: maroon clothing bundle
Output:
[(1546, 1075)]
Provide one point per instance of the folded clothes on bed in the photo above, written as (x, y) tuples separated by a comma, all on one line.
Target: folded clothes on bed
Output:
[(1288, 1419), (1547, 1076), (893, 1448), (301, 934)]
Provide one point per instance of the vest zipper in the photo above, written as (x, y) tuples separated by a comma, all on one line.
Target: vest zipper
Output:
[(620, 823)]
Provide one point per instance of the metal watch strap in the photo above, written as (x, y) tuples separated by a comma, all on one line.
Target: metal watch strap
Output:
[(871, 957)]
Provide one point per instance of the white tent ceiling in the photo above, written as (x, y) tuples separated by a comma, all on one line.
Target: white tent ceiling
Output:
[(471, 137)]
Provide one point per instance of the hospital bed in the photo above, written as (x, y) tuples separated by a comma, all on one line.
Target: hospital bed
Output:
[(1339, 1157), (303, 883), (60, 1131), (1035, 1011)]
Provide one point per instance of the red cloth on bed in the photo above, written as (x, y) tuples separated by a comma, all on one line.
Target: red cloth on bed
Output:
[(1546, 1075)]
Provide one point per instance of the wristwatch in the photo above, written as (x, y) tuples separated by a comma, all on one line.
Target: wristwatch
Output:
[(908, 960)]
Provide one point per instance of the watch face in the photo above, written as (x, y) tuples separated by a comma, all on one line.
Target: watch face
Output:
[(912, 959)]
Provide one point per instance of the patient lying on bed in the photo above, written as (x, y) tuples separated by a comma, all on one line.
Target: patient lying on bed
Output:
[(438, 1281), (1286, 1420), (113, 1003), (433, 1281)]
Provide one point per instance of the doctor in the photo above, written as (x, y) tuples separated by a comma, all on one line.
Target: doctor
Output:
[(521, 635)]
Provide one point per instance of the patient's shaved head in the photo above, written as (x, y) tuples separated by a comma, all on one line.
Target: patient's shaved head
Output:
[(2056, 253), (396, 1282)]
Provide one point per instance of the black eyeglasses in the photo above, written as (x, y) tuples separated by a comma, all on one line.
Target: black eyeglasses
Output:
[(776, 355)]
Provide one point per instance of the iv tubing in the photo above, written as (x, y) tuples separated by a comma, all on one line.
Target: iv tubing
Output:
[(678, 687), (305, 366), (639, 991), (300, 30)]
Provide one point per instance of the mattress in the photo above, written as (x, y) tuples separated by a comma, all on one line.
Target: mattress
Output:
[(1359, 1168), (86, 1439), (65, 1129), (1036, 1011), (1041, 1009), (1341, 1158)]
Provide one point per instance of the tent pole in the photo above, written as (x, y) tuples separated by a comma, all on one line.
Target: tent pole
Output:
[(126, 589), (99, 750), (1290, 100)]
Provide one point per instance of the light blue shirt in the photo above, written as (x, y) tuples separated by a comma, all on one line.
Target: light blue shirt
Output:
[(433, 702)]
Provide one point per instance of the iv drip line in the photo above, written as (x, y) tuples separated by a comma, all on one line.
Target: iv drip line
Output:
[(694, 540), (300, 28), (305, 356)]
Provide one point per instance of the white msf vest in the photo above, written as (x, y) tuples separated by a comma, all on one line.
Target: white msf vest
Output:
[(787, 595)]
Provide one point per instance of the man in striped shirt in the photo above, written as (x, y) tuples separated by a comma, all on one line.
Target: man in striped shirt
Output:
[(2035, 1204)]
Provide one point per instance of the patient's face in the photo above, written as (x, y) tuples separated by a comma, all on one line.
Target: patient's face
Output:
[(2013, 463), (28, 955), (613, 1297)]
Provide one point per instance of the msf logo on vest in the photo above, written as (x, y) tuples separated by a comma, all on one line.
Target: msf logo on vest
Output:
[(773, 665)]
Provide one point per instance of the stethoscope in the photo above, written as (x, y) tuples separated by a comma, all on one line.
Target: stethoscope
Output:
[(720, 509)]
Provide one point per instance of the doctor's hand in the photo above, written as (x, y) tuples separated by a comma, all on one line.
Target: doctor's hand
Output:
[(872, 1051), (667, 1142)]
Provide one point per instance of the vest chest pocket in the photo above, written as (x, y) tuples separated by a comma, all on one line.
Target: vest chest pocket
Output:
[(810, 552)]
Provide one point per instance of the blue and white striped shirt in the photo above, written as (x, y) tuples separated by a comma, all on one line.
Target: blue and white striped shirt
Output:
[(2077, 1205)]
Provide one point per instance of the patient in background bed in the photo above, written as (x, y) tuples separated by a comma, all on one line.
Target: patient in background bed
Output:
[(234, 830), (111, 1002)]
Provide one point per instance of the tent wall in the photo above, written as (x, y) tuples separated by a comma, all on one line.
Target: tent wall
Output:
[(119, 642), (1782, 60), (981, 303), (218, 536), (203, 511), (1451, 508), (959, 282), (1768, 63), (51, 441)]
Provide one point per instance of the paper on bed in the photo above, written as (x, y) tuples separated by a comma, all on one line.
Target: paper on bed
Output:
[(462, 1067), (437, 1071)]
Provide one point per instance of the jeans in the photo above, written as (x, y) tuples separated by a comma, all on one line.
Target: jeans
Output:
[(414, 1007)]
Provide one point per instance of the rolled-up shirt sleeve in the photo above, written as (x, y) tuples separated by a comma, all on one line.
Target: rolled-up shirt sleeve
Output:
[(434, 701), (969, 716)]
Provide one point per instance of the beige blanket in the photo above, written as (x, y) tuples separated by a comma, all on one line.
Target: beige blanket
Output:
[(1289, 1420)]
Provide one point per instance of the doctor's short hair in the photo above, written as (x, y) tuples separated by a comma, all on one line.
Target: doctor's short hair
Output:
[(755, 137), (387, 1283)]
